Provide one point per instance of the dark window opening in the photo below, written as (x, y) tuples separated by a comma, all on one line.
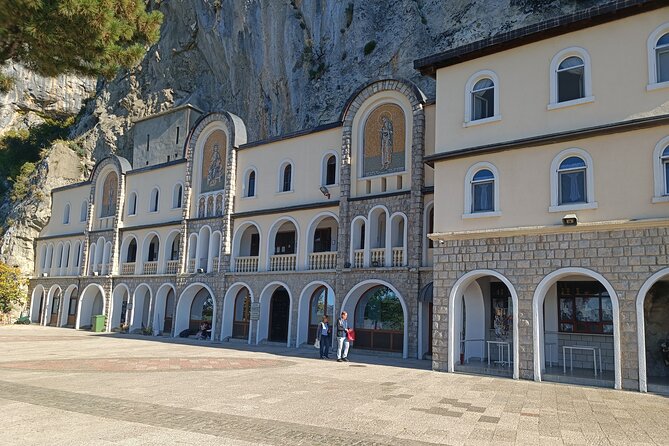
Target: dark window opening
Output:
[(322, 240), (584, 307), (284, 243), (287, 178), (251, 188), (255, 245), (331, 171)]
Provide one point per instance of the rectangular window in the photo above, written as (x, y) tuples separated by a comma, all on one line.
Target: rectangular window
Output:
[(255, 245), (571, 84), (666, 178), (322, 240), (147, 142), (584, 307), (572, 187), (663, 65), (177, 135), (483, 200)]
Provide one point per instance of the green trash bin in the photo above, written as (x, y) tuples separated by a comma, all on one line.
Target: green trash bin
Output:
[(98, 323)]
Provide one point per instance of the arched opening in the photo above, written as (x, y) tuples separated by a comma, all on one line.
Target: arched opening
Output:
[(321, 304), (214, 251), (66, 259), (99, 254), (91, 259), (163, 314), (150, 253), (37, 305), (42, 260), (66, 214), (379, 320), (83, 213), (241, 323), (129, 256), (141, 305), (106, 259), (109, 194), (55, 305), (203, 248), (192, 252), (251, 184), (398, 234), (196, 308), (378, 218), (322, 243), (425, 316), (576, 332), (246, 248), (91, 304), (170, 263), (330, 171), (358, 238), (283, 246), (177, 196), (57, 260), (652, 307), (69, 307), (428, 244), (154, 200), (120, 299), (279, 316)]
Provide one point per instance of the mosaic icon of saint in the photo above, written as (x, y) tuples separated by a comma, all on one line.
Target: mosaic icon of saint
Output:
[(215, 173), (386, 142)]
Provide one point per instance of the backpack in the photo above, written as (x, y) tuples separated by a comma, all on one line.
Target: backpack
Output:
[(185, 333)]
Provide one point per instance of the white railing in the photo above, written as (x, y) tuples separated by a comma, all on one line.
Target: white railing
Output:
[(214, 264), (377, 257), (323, 260), (283, 262), (191, 266), (105, 222), (150, 267), (172, 267), (247, 264), (128, 268), (358, 258), (398, 256)]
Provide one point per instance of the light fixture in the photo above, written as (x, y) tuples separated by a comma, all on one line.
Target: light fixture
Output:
[(570, 220), (325, 191)]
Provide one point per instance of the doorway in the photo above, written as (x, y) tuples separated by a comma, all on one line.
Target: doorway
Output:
[(279, 314)]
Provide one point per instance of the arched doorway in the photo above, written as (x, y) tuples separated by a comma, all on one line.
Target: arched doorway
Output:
[(141, 305), (69, 307), (120, 298), (241, 323), (279, 316), (202, 313), (163, 313), (652, 308), (321, 304), (379, 320), (56, 303), (91, 304), (169, 312), (425, 316), (576, 330), (197, 304), (37, 305)]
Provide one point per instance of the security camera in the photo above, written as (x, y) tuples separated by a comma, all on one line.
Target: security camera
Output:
[(325, 191), (570, 220)]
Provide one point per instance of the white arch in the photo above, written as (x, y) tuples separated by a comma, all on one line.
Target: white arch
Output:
[(372, 233), (214, 251), (469, 199), (469, 87), (49, 303), (324, 167), (272, 235), (653, 82), (303, 309), (154, 200), (124, 247), (202, 253), (106, 259), (167, 250), (159, 306), (237, 240), (42, 259), (57, 262), (582, 54), (196, 182), (311, 229), (229, 309), (282, 169), (178, 195), (137, 320), (87, 300), (538, 319), (35, 303), (458, 289), (99, 251), (245, 182), (265, 299), (661, 194), (65, 305), (356, 224), (405, 234), (589, 181), (117, 305), (641, 325), (182, 313), (356, 293)]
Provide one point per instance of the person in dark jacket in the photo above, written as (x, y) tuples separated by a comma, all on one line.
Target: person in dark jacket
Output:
[(342, 337), (324, 331)]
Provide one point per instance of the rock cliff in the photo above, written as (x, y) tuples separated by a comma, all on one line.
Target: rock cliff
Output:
[(281, 65)]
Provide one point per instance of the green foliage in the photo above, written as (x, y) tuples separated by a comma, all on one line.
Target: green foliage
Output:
[(11, 282), (21, 182), (6, 83), (89, 37), (369, 47)]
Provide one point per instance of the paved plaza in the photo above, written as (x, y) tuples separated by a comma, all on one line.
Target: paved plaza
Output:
[(60, 386)]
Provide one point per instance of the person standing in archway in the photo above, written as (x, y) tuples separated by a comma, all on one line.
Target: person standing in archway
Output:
[(324, 333), (342, 338)]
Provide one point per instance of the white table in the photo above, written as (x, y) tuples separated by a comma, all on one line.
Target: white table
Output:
[(501, 345), (571, 349), (550, 346)]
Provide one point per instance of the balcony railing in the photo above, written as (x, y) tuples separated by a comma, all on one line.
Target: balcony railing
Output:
[(323, 260), (377, 257), (172, 267), (398, 256), (105, 223), (191, 266), (128, 268), (248, 264), (358, 258), (214, 264), (283, 262), (150, 267)]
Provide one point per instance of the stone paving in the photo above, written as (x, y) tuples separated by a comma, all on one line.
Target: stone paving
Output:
[(59, 386)]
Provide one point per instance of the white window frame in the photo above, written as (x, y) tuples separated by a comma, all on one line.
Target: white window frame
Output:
[(245, 183), (473, 79), (130, 202), (174, 196), (67, 210), (154, 211), (653, 84), (469, 199), (661, 195), (587, 81), (282, 168), (589, 182), (84, 208), (324, 168)]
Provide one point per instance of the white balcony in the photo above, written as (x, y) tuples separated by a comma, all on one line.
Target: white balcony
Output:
[(150, 267), (128, 268), (283, 262), (248, 264), (323, 260), (358, 258), (398, 257), (172, 267), (377, 257), (191, 266)]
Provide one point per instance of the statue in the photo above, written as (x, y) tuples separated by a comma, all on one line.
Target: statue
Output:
[(386, 142), (215, 173)]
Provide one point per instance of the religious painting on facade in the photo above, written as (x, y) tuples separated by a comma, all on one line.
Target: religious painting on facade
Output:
[(109, 191), (213, 162), (384, 141)]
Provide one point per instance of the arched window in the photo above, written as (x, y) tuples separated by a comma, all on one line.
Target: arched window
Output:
[(379, 320), (153, 250), (483, 194), (572, 181), (483, 99), (131, 255), (287, 178), (658, 57), (662, 58), (109, 194), (174, 252), (132, 204), (153, 205), (661, 171), (571, 79), (84, 211), (177, 196), (251, 184), (665, 169), (66, 214), (201, 310), (321, 304), (242, 320), (330, 170)]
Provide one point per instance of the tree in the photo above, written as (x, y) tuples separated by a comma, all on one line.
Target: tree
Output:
[(11, 292), (86, 37)]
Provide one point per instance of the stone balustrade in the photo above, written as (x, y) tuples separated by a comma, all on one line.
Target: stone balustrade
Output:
[(283, 262), (323, 260)]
